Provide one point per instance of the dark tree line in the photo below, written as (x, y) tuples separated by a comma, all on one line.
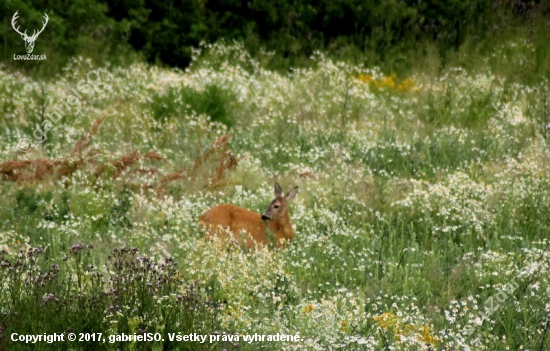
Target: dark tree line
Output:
[(165, 31)]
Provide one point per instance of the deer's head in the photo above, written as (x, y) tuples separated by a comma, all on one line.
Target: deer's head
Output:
[(279, 206)]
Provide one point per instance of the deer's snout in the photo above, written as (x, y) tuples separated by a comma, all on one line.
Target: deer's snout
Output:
[(265, 218)]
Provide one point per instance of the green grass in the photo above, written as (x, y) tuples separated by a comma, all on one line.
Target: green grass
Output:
[(415, 207)]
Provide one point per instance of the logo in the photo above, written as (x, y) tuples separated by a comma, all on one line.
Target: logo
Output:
[(29, 40)]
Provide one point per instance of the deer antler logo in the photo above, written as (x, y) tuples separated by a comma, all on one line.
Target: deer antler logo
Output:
[(29, 40)]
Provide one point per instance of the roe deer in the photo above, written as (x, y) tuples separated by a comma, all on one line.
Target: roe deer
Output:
[(229, 220)]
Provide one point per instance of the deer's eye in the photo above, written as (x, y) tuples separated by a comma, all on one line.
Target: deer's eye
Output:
[(276, 206)]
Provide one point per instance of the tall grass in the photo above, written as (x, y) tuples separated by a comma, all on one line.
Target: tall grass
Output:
[(418, 203)]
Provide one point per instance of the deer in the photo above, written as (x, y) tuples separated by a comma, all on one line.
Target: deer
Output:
[(251, 228), (29, 40)]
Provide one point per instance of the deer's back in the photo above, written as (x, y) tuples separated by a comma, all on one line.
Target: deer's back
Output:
[(235, 219)]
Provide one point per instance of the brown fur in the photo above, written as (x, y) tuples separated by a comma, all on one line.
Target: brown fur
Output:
[(227, 220)]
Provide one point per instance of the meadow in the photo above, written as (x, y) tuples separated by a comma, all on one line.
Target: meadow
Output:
[(421, 222)]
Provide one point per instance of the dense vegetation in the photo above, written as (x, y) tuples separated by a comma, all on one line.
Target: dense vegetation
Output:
[(392, 34), (422, 198), (418, 133)]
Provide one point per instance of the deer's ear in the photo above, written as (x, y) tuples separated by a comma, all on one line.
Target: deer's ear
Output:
[(278, 190), (292, 194)]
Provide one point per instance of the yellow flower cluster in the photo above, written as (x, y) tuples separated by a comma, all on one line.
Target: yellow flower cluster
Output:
[(309, 308), (390, 321), (344, 325), (390, 82), (387, 321), (427, 337)]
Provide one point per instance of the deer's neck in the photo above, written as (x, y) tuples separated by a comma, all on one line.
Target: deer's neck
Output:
[(282, 227)]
